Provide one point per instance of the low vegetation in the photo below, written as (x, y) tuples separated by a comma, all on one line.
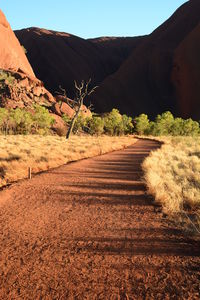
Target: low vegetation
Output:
[(172, 174), (112, 123), (164, 125), (20, 121), (19, 152)]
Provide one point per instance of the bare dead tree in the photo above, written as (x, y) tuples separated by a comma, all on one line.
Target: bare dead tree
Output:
[(82, 91), (65, 98)]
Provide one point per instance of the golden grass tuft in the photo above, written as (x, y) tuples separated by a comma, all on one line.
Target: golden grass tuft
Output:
[(19, 152), (172, 174)]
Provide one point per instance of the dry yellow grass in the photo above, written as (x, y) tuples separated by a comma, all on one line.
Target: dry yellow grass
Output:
[(18, 153), (172, 174)]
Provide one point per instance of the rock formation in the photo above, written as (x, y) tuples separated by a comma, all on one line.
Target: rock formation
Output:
[(148, 74), (12, 56), (60, 58), (186, 74), (144, 82), (18, 85), (17, 89)]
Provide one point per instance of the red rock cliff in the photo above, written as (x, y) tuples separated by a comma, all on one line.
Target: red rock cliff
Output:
[(12, 56)]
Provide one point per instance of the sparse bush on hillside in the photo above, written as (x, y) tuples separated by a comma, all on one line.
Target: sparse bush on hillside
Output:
[(6, 76), (24, 49)]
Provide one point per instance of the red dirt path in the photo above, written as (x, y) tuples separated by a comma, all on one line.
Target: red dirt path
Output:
[(88, 230)]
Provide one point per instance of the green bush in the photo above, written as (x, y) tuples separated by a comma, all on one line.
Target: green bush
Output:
[(141, 124), (42, 120), (166, 124), (96, 125), (20, 121), (127, 124), (6, 76), (112, 123)]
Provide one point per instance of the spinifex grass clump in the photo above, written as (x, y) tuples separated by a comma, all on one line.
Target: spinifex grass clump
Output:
[(172, 174), (19, 153)]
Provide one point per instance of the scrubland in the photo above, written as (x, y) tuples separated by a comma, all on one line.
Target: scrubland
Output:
[(18, 153), (172, 175)]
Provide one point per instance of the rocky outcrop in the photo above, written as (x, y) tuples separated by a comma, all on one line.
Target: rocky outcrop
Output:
[(67, 106), (19, 90), (12, 56), (18, 85)]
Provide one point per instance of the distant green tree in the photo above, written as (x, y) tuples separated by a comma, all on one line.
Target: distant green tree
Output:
[(21, 121), (191, 127), (42, 120), (127, 124), (164, 123), (113, 122), (96, 125), (141, 124), (177, 127)]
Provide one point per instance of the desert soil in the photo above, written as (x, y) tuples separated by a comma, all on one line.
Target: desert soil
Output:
[(88, 230)]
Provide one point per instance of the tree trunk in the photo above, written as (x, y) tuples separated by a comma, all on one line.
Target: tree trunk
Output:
[(74, 120)]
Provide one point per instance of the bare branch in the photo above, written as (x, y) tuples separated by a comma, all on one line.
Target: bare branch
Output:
[(82, 90)]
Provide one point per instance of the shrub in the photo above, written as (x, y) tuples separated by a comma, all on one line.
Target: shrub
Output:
[(141, 124), (127, 124), (113, 122), (96, 125), (20, 121), (164, 123), (42, 120), (6, 76)]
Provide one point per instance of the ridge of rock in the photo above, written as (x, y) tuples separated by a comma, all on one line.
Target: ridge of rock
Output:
[(12, 56)]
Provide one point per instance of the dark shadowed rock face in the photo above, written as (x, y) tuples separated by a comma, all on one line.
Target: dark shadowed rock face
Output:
[(12, 55), (60, 58), (148, 74), (186, 74), (144, 82)]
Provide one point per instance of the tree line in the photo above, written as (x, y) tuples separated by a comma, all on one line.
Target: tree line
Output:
[(39, 121), (113, 123)]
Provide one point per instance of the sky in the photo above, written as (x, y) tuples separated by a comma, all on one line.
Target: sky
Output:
[(90, 18)]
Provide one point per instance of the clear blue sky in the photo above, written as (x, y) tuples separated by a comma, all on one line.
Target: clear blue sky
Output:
[(90, 18)]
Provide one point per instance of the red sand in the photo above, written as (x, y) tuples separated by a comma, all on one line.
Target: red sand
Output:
[(88, 230)]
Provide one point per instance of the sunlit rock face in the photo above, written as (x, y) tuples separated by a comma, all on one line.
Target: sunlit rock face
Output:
[(12, 56)]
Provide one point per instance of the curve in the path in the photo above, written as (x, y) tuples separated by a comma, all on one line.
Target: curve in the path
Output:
[(88, 230)]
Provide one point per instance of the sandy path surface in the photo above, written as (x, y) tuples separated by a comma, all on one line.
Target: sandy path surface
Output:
[(87, 230)]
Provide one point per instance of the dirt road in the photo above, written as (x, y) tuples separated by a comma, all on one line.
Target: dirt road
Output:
[(87, 230)]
